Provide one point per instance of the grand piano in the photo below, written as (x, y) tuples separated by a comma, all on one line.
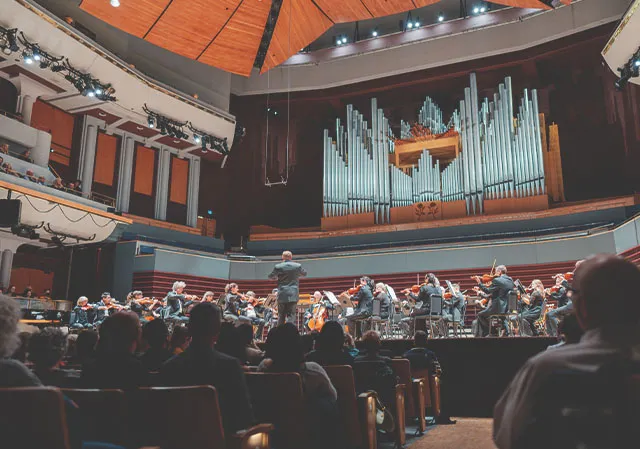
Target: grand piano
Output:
[(44, 312)]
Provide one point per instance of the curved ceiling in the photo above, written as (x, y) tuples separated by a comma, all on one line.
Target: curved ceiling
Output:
[(227, 33)]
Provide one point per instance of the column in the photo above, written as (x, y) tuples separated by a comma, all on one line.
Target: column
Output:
[(125, 173), (193, 192), (162, 185), (27, 102), (6, 263), (41, 152), (87, 156)]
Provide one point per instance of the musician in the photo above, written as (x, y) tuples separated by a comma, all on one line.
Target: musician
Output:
[(287, 273), (430, 287), (233, 303), (380, 294), (532, 307), (175, 302), (453, 308), (133, 303), (251, 313), (565, 304), (79, 316), (365, 304), (103, 308), (499, 290), (208, 297)]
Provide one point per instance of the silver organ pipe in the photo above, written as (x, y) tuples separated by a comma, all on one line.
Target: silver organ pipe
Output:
[(501, 156)]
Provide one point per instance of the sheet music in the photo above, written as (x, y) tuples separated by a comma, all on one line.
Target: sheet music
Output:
[(349, 311), (392, 293), (332, 298)]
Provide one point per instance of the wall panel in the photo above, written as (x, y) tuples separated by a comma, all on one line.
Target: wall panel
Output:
[(106, 151), (144, 173), (178, 181)]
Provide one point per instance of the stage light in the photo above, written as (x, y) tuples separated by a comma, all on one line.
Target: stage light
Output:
[(344, 39), (196, 138), (416, 24), (409, 25), (36, 56), (440, 17), (150, 122), (637, 63), (483, 9), (476, 10), (374, 33), (115, 3), (97, 91), (28, 59)]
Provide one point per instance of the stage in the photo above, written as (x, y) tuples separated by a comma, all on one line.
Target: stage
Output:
[(476, 370)]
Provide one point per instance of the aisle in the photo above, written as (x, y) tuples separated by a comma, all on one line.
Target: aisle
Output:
[(468, 433)]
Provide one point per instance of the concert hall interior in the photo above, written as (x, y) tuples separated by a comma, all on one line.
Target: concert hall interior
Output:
[(322, 224)]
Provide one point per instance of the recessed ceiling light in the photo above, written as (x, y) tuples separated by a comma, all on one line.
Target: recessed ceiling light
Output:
[(115, 3), (102, 114)]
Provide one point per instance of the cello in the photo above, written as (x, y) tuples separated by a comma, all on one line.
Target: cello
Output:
[(319, 316)]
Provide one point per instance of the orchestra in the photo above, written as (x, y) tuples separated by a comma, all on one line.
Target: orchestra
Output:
[(431, 303)]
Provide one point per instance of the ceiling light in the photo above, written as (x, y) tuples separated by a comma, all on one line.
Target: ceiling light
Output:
[(441, 18), (476, 10), (196, 138), (28, 59), (483, 9), (344, 39), (150, 122), (410, 25), (374, 33), (115, 3), (416, 24), (638, 63), (98, 91)]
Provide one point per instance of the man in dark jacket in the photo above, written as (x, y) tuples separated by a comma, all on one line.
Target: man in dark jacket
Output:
[(365, 304), (287, 273), (201, 364), (499, 290)]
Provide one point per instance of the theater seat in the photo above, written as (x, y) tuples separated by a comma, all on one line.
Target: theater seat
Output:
[(104, 414), (357, 413), (431, 390), (415, 398), (33, 418), (185, 418)]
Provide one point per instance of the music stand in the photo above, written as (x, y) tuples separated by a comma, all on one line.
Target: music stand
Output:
[(271, 301), (337, 306)]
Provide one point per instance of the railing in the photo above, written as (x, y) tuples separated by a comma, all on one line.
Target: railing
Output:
[(104, 199)]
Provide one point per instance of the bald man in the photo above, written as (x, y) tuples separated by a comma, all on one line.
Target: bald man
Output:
[(610, 317)]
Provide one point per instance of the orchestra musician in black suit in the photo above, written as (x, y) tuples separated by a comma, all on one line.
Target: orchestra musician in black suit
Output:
[(499, 290), (365, 304)]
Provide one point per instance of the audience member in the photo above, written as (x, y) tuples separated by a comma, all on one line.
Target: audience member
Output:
[(12, 291), (41, 180), (569, 331), (420, 356), (57, 184), (4, 148), (29, 175), (229, 342), (85, 347), (373, 371), (46, 294), (12, 372), (156, 335), (26, 156), (330, 347), (252, 354), (201, 364), (610, 317), (179, 340), (46, 351), (371, 346), (114, 365), (28, 293), (21, 351), (350, 345)]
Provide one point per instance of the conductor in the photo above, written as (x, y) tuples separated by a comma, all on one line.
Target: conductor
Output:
[(287, 273)]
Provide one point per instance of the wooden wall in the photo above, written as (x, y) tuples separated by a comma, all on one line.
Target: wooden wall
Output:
[(60, 125), (178, 188), (144, 181), (105, 172), (599, 129)]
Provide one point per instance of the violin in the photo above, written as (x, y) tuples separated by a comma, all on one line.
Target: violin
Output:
[(87, 307), (447, 295), (354, 291), (567, 276), (415, 289), (485, 278), (553, 289)]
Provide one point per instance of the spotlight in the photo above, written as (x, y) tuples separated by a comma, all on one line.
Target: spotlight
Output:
[(416, 24), (344, 39), (98, 91), (440, 17), (196, 138), (637, 63), (28, 59), (374, 33), (410, 25), (275, 112), (150, 122), (476, 10), (483, 9), (115, 3)]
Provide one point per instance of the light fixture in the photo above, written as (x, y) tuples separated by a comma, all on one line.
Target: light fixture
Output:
[(410, 25), (344, 39), (476, 10), (150, 122), (196, 138), (28, 59), (115, 3), (440, 17), (483, 9), (416, 24), (374, 33), (638, 63)]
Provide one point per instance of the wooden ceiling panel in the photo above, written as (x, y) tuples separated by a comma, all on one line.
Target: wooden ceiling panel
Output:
[(235, 48), (187, 27), (381, 8), (133, 17), (421, 3), (537, 4), (344, 11), (300, 22)]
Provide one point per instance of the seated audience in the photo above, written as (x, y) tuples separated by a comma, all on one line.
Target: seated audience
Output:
[(179, 340), (2, 164), (371, 346), (85, 347), (330, 348), (201, 364), (12, 291), (373, 371), (41, 180), (46, 351), (114, 365), (229, 341), (252, 354), (12, 372), (30, 176), (350, 345), (26, 156), (419, 356), (21, 351), (46, 294), (610, 317), (58, 185), (156, 335), (4, 148), (80, 315), (28, 293), (7, 168)]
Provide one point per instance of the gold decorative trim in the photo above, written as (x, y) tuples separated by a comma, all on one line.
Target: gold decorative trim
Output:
[(623, 24)]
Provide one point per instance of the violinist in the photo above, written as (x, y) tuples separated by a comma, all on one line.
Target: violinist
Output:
[(380, 294), (251, 314), (423, 297), (79, 316), (234, 302), (565, 305), (103, 308), (365, 304), (532, 307), (175, 302), (208, 297), (453, 306), (499, 289)]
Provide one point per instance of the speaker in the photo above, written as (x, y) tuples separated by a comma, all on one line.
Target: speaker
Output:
[(10, 212)]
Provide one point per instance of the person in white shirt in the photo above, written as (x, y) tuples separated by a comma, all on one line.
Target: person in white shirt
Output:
[(609, 313)]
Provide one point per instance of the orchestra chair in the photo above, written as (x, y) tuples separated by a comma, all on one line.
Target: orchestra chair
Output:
[(33, 417), (431, 320), (186, 418), (505, 319), (415, 403), (459, 328), (104, 414), (578, 409), (431, 390), (367, 369), (358, 413), (378, 324), (278, 398)]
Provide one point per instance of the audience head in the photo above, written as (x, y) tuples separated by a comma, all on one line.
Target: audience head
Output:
[(156, 334), (21, 351), (284, 348), (602, 293), (179, 339), (179, 286), (86, 344), (229, 342), (119, 333), (205, 322), (28, 292), (570, 329), (420, 339), (287, 255), (47, 348), (349, 341), (9, 316), (12, 290), (371, 342), (244, 334), (331, 337)]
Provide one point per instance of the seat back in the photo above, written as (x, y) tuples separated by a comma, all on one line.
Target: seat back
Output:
[(342, 379), (176, 417), (33, 417), (376, 307), (277, 398), (104, 414), (424, 374), (436, 305), (402, 368), (512, 303)]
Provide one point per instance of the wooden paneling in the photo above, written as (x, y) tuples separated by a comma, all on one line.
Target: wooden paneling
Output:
[(179, 180), (133, 17), (235, 48), (188, 26), (421, 3), (59, 124), (105, 165), (343, 11), (144, 170), (523, 3), (381, 8), (38, 280), (300, 23)]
